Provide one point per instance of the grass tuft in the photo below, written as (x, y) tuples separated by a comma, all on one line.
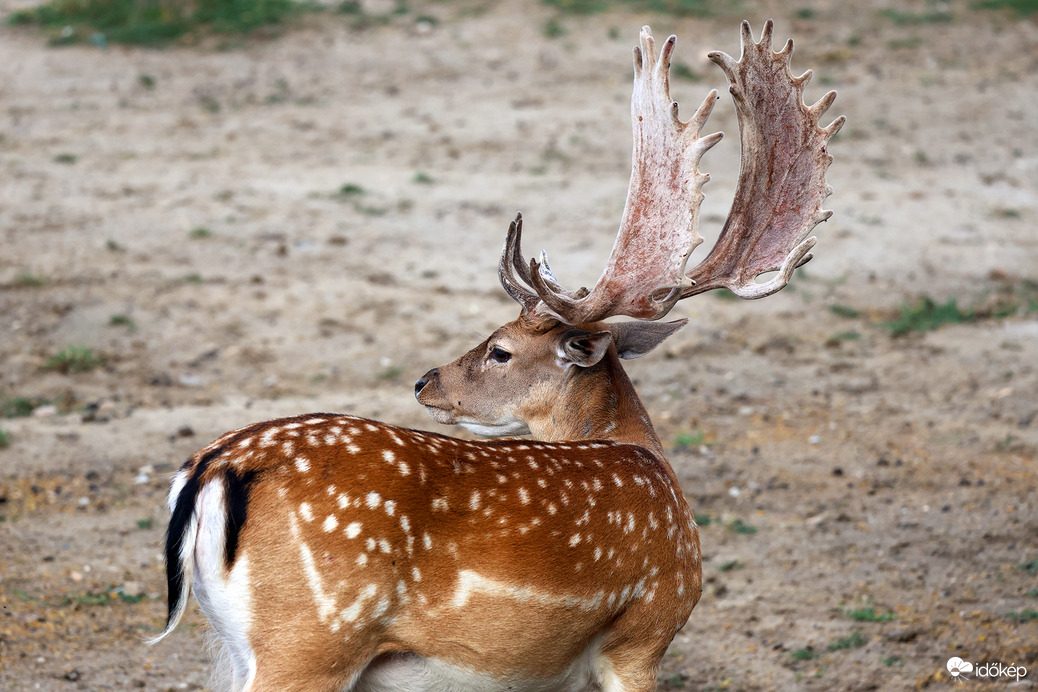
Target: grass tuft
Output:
[(1025, 615), (19, 406), (678, 8), (804, 654), (869, 614), (150, 22), (121, 320), (73, 359), (5, 441), (903, 18), (1023, 8), (689, 439), (927, 315), (853, 641), (738, 526)]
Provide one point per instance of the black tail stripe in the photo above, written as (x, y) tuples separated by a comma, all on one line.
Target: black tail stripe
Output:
[(178, 524), (238, 487)]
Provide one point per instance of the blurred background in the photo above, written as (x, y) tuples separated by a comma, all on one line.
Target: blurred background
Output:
[(213, 213)]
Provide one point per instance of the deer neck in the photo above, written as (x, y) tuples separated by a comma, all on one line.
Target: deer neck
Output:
[(596, 404)]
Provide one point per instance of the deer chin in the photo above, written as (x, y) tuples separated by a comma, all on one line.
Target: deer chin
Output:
[(505, 427), (440, 415)]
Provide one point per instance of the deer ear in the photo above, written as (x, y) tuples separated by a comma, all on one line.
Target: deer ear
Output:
[(635, 339), (583, 348)]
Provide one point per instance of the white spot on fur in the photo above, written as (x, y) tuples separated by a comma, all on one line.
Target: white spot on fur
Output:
[(305, 512), (575, 539), (330, 522), (325, 602), (353, 530), (474, 500), (524, 496), (390, 507), (372, 500), (352, 611), (302, 464)]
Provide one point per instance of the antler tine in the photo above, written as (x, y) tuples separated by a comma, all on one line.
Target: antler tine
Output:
[(511, 260), (645, 273), (782, 175)]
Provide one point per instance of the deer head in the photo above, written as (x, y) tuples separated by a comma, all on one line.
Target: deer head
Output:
[(539, 373)]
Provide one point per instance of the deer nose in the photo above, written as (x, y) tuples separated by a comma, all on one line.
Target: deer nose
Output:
[(420, 384)]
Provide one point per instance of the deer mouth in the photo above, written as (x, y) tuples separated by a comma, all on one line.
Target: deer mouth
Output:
[(440, 415)]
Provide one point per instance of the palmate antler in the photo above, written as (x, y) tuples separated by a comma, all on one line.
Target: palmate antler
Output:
[(777, 203)]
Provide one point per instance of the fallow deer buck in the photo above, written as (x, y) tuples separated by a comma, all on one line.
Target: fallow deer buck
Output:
[(335, 553)]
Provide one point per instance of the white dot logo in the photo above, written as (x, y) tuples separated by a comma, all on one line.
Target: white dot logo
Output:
[(958, 668)]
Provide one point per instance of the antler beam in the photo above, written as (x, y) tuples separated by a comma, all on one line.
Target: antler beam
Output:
[(777, 203), (782, 174)]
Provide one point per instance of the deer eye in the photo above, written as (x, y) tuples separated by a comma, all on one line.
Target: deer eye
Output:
[(499, 355)]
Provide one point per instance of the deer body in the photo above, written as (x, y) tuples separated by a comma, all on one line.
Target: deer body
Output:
[(334, 553), (486, 556)]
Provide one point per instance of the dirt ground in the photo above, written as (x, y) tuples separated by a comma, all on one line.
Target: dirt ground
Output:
[(309, 222)]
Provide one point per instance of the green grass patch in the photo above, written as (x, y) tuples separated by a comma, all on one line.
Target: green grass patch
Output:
[(731, 565), (845, 311), (678, 8), (5, 440), (67, 159), (146, 523), (26, 280), (689, 439), (853, 641), (704, 519), (1031, 593), (870, 614), (903, 18), (150, 22), (1031, 566), (1023, 8), (682, 71), (890, 661), (804, 654), (200, 233), (350, 191), (553, 28), (19, 406), (1025, 615), (121, 321), (738, 526), (927, 315), (99, 598), (421, 178), (73, 359)]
